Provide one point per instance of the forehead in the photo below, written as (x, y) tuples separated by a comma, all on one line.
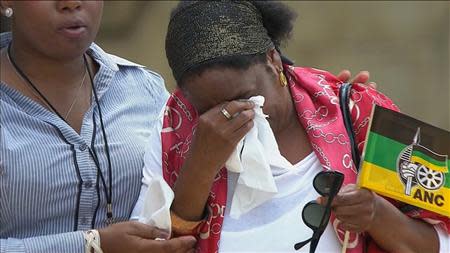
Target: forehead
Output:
[(215, 86)]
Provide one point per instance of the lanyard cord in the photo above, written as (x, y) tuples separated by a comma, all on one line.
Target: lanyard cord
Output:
[(25, 77), (109, 213), (93, 153)]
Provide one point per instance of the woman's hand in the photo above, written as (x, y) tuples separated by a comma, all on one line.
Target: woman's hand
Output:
[(355, 207), (135, 237), (216, 136), (362, 77)]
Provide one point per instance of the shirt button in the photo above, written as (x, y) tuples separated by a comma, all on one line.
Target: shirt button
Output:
[(83, 147), (88, 184), (84, 220)]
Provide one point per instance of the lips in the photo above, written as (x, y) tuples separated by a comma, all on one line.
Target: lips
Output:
[(74, 29)]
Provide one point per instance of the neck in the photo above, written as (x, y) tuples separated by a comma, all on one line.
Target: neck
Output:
[(39, 67), (286, 118), (292, 139)]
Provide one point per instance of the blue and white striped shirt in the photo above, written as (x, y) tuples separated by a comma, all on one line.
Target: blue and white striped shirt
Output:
[(48, 180)]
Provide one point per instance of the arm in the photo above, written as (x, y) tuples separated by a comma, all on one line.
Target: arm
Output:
[(132, 237), (405, 234), (361, 210), (72, 242)]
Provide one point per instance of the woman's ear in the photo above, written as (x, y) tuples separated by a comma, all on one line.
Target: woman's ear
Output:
[(6, 8), (274, 60), (5, 4)]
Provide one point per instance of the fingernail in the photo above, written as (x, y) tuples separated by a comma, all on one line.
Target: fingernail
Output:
[(319, 200)]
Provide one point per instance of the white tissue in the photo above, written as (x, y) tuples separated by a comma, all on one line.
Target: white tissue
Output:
[(253, 158), (157, 202)]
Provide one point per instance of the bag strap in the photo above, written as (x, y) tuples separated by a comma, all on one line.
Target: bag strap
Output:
[(344, 100)]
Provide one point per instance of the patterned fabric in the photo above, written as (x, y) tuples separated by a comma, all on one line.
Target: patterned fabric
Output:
[(314, 93), (49, 189)]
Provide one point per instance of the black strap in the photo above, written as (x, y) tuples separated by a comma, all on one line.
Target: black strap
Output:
[(344, 99)]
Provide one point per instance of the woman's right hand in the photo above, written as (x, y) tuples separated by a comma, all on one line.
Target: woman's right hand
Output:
[(216, 136), (136, 237), (214, 140)]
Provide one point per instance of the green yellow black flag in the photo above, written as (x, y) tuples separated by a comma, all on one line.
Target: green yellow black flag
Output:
[(408, 160)]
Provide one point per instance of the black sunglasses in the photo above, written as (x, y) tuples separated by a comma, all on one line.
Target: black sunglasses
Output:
[(315, 216)]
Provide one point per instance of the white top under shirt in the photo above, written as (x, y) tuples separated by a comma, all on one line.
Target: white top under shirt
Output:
[(277, 225), (274, 226)]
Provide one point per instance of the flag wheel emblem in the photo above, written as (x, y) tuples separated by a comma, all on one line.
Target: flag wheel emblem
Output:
[(429, 179)]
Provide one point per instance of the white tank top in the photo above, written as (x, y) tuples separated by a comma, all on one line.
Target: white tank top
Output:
[(277, 225)]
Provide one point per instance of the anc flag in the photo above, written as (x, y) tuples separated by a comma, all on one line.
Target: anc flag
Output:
[(428, 158), (408, 160)]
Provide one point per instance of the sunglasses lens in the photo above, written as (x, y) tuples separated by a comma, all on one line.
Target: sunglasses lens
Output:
[(328, 182), (313, 214)]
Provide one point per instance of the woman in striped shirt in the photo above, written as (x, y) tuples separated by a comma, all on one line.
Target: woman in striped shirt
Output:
[(73, 125)]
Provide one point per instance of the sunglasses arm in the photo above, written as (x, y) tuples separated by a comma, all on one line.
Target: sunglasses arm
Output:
[(300, 245)]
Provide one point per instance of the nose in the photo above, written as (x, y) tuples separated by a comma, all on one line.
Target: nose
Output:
[(69, 6)]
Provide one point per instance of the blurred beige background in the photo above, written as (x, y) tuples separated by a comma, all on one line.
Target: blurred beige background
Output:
[(404, 45)]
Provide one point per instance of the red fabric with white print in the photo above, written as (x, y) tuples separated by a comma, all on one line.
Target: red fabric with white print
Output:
[(314, 93)]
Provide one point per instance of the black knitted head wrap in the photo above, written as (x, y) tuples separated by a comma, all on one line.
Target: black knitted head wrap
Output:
[(206, 30)]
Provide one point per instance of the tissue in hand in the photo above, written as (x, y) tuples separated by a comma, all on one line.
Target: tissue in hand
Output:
[(252, 159)]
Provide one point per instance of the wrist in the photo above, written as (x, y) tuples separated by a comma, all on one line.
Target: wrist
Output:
[(92, 241), (182, 226), (376, 219), (203, 174)]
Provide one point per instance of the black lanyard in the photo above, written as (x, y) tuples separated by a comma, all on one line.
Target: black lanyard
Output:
[(92, 151)]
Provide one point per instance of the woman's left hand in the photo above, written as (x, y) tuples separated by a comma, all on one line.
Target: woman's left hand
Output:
[(355, 207)]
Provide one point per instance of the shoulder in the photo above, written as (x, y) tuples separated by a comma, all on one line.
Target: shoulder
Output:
[(121, 65), (362, 97), (133, 74), (121, 62), (314, 77), (146, 79), (318, 79), (140, 74), (363, 94)]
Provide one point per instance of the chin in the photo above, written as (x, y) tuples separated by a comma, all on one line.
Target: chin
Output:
[(69, 51), (68, 47)]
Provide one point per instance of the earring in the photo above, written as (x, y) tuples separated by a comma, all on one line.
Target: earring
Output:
[(283, 79), (8, 12)]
